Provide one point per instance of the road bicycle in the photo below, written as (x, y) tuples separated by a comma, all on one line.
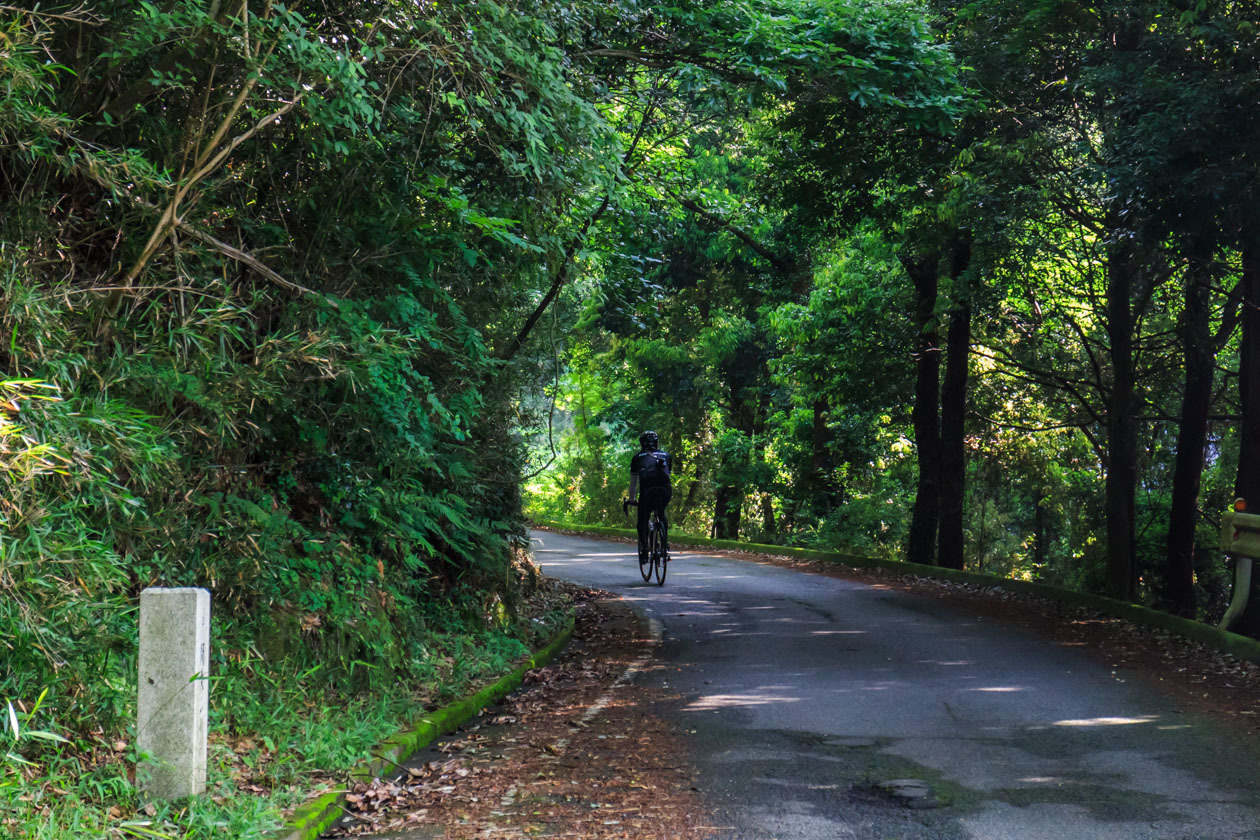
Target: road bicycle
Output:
[(657, 559)]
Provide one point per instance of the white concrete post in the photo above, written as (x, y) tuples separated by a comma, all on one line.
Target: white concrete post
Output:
[(174, 703)]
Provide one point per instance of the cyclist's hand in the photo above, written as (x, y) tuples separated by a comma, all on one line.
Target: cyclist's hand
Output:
[(625, 507)]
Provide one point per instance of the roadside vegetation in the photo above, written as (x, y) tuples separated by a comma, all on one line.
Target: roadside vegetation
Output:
[(279, 734)]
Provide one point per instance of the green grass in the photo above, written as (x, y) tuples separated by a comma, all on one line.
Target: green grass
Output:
[(277, 736)]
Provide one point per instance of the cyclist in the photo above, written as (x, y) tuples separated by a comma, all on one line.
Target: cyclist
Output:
[(650, 470)]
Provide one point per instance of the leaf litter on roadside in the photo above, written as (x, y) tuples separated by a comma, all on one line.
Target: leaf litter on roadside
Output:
[(535, 766)]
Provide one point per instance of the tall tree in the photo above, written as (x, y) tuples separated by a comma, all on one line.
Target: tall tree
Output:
[(953, 457), (924, 521), (1247, 483)]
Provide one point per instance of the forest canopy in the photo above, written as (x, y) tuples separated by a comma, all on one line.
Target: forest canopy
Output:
[(1011, 331)]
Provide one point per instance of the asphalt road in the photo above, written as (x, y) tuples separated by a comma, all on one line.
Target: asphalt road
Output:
[(823, 708)]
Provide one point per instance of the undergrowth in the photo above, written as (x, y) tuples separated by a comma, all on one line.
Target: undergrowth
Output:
[(278, 735), (258, 263)]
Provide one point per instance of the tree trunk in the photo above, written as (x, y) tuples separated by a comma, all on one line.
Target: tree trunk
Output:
[(1121, 427), (818, 439), (1247, 484), (594, 448), (1039, 528), (741, 379), (953, 458), (1183, 516), (953, 451), (819, 480), (693, 489), (728, 504), (982, 541), (767, 516), (921, 541)]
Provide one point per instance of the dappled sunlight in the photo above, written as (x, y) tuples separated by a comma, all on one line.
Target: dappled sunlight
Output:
[(795, 783), (713, 702), (839, 632), (1108, 721), (886, 685), (999, 689), (790, 620), (558, 556), (693, 608)]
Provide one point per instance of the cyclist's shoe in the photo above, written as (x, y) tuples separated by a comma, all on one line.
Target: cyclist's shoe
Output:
[(643, 557)]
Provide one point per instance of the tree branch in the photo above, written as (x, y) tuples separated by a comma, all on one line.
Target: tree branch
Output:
[(739, 233), (79, 15), (88, 171), (1230, 318), (557, 283), (169, 219), (121, 107), (562, 272), (666, 60), (241, 257), (1019, 427)]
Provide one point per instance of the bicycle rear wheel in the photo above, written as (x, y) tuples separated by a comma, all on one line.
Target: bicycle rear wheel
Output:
[(645, 561), (659, 558)]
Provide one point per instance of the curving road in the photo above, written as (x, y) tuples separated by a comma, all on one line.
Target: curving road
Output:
[(823, 708)]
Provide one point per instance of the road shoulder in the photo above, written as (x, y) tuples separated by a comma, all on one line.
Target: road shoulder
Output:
[(582, 749)]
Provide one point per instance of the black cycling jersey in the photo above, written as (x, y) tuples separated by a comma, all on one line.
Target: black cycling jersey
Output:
[(653, 468)]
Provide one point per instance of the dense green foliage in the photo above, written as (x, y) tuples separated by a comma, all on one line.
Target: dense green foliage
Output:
[(256, 262), (259, 313), (1010, 341)]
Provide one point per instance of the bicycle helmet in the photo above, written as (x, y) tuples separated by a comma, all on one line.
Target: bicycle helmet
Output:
[(649, 440)]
